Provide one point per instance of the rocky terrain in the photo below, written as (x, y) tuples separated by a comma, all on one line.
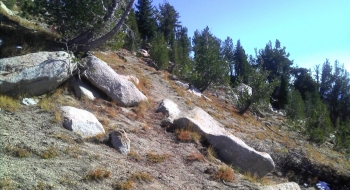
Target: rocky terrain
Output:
[(37, 152)]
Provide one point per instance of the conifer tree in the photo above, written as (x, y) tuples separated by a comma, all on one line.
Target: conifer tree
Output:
[(209, 67), (159, 51), (183, 46), (146, 21), (275, 59), (241, 64), (227, 53)]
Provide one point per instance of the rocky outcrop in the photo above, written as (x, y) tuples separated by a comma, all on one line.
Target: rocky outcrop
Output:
[(283, 186), (81, 122), (34, 74), (116, 87), (229, 148), (170, 109), (120, 141)]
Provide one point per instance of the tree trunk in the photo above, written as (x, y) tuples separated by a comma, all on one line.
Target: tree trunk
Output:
[(84, 48)]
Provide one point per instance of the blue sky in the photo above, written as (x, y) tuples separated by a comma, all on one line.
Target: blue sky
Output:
[(311, 30)]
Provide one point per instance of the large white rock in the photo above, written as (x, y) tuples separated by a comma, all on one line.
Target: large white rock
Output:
[(170, 109), (81, 122), (283, 186), (116, 87), (35, 73), (229, 148)]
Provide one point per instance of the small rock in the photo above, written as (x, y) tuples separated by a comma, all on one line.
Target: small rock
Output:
[(120, 141), (30, 101)]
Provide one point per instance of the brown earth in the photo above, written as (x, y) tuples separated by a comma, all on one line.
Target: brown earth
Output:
[(38, 130)]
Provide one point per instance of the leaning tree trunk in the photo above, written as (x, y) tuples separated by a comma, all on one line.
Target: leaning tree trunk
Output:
[(82, 42)]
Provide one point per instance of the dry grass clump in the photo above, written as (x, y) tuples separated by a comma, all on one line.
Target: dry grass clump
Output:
[(51, 152), (128, 184), (211, 154), (134, 155), (98, 174), (67, 180), (156, 158), (141, 109), (187, 135), (8, 103), (195, 156), (63, 136), (225, 173), (42, 186), (251, 177), (73, 151), (18, 151), (7, 184)]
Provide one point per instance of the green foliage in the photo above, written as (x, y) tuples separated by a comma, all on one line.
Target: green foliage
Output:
[(342, 136), (116, 42), (146, 21), (295, 108), (227, 53), (159, 51), (72, 18), (241, 64), (209, 66), (183, 46), (261, 91), (275, 59), (168, 21), (132, 38), (303, 82), (318, 124), (10, 3)]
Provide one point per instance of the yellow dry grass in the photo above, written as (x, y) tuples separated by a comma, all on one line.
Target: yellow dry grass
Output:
[(9, 103)]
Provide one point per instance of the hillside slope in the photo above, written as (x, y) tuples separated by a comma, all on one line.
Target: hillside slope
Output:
[(159, 159)]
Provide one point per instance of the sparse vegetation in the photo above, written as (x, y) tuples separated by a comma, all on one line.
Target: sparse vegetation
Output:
[(251, 177), (51, 152), (63, 136), (187, 135), (134, 155), (156, 158), (225, 173), (7, 184), (195, 156), (73, 151), (98, 174), (19, 151), (9, 103), (128, 184), (211, 154)]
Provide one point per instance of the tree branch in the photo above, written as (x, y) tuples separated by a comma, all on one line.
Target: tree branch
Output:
[(104, 38)]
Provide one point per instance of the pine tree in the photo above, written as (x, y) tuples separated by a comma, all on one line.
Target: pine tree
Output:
[(146, 21), (183, 47), (209, 67), (276, 61), (303, 82), (241, 64), (168, 22), (227, 53), (295, 108), (159, 51), (318, 123)]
